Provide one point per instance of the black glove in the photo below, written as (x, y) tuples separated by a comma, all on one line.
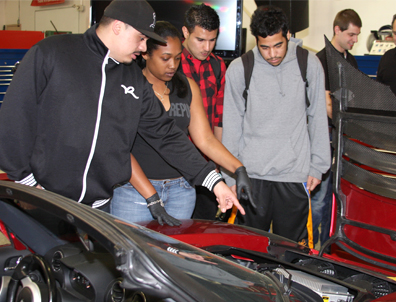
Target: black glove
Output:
[(244, 186), (156, 207)]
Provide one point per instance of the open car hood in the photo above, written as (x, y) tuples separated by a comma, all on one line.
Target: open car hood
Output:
[(148, 261), (364, 184), (235, 263)]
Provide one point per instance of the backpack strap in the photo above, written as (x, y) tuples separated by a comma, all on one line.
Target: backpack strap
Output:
[(248, 63), (215, 63), (302, 59)]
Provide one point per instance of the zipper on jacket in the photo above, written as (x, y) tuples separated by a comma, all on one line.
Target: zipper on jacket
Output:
[(96, 132)]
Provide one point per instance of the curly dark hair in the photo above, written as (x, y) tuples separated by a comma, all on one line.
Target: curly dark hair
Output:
[(165, 30), (203, 16), (267, 21)]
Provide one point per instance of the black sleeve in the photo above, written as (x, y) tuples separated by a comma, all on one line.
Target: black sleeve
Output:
[(381, 68), (18, 115), (386, 69)]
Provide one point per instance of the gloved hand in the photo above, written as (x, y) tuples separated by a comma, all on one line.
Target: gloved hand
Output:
[(244, 186), (157, 210)]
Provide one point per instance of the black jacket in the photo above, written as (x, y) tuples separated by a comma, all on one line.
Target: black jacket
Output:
[(56, 127)]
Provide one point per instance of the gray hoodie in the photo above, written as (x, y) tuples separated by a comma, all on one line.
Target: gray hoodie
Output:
[(272, 138)]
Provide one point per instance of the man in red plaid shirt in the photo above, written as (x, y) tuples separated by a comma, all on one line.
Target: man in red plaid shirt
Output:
[(200, 30)]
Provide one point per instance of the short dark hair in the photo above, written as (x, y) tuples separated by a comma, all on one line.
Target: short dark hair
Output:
[(203, 16), (393, 19), (104, 21), (267, 21), (346, 17)]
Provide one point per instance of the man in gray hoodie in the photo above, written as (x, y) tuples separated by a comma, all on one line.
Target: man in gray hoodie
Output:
[(283, 143)]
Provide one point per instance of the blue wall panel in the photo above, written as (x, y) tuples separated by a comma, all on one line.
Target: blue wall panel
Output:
[(8, 58)]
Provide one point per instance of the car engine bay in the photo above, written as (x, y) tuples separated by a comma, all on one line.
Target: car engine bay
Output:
[(331, 281)]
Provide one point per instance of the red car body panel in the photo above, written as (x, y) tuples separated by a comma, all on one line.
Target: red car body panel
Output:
[(202, 233), (372, 210), (388, 298), (3, 176), (3, 230)]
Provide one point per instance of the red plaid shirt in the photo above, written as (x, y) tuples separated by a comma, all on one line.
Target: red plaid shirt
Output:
[(204, 76)]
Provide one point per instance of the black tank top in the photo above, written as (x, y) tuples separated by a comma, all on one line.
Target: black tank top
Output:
[(151, 162)]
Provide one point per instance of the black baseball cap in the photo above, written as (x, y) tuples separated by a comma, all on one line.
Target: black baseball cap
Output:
[(137, 13)]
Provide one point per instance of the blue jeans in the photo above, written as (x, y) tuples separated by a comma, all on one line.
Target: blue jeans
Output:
[(327, 211), (177, 194), (321, 199), (321, 202)]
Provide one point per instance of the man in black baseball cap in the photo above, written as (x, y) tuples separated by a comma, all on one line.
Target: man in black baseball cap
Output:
[(125, 27), (75, 106), (143, 17)]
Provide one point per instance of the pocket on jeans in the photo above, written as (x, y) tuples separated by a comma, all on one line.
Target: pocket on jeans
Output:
[(185, 184)]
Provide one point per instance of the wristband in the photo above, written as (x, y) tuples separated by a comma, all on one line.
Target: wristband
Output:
[(217, 181), (212, 179), (155, 202), (28, 181)]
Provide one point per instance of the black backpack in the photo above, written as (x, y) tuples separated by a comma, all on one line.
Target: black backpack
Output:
[(248, 64), (215, 63)]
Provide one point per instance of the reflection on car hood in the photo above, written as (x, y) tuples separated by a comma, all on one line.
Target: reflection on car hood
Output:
[(148, 260)]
